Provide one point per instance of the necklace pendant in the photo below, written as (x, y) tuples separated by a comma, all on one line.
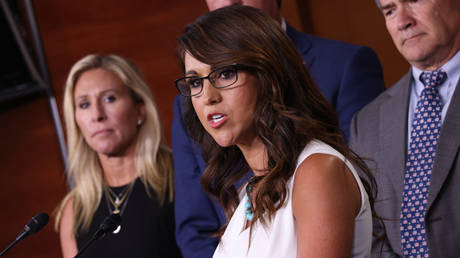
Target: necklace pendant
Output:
[(117, 200), (117, 230), (116, 211)]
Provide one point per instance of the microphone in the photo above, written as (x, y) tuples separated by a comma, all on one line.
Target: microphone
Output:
[(109, 224), (34, 225)]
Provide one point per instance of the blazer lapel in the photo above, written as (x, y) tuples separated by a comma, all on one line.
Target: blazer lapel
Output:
[(447, 148), (302, 43), (393, 125)]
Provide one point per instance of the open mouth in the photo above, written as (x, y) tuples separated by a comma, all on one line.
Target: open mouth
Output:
[(217, 118)]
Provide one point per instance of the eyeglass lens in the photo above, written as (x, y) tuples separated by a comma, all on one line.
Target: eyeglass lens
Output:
[(219, 78)]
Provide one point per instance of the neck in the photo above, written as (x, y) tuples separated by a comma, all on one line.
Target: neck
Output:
[(255, 155), (118, 171), (437, 62)]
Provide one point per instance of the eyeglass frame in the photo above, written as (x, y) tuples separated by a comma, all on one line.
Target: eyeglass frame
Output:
[(236, 68)]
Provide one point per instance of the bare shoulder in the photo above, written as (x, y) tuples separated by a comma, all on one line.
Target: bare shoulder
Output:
[(66, 234), (321, 168), (67, 212), (324, 177), (325, 202)]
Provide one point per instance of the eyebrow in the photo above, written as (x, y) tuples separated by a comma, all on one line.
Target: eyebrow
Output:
[(191, 72), (212, 68), (387, 6), (99, 94)]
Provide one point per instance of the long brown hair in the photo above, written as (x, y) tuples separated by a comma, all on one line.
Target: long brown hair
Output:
[(290, 110)]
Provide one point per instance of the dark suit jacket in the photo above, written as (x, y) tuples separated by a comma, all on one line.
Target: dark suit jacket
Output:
[(349, 77), (379, 132)]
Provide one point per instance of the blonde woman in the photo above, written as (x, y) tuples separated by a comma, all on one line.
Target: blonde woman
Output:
[(117, 163)]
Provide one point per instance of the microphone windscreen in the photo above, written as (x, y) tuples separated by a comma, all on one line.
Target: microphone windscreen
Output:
[(37, 223), (111, 223)]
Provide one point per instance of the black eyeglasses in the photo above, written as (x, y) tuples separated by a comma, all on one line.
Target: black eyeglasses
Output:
[(221, 77)]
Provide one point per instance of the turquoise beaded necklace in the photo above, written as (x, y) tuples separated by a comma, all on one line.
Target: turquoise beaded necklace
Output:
[(249, 212)]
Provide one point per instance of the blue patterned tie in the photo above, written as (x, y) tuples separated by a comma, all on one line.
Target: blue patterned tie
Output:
[(420, 158)]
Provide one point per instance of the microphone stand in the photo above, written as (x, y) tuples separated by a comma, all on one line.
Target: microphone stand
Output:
[(109, 224), (85, 247), (19, 238), (35, 224)]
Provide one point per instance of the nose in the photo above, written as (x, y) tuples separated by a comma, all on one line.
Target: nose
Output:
[(98, 112), (210, 94), (404, 19)]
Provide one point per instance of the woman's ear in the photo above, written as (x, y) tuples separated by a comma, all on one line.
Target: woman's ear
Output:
[(140, 113)]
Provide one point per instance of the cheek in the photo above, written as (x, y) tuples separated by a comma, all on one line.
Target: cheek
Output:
[(127, 121), (248, 110), (85, 133), (123, 112), (197, 108), (250, 93), (80, 122), (245, 102)]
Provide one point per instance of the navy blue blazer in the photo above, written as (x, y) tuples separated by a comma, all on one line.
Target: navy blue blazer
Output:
[(349, 76)]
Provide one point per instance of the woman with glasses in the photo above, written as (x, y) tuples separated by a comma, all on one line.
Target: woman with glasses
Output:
[(117, 163), (252, 105)]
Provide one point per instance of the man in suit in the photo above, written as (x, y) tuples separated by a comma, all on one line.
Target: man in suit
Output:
[(349, 77), (411, 132)]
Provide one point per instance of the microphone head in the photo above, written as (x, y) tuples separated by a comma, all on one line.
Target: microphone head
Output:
[(110, 223), (37, 223)]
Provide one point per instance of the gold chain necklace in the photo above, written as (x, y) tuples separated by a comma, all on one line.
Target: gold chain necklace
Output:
[(117, 199)]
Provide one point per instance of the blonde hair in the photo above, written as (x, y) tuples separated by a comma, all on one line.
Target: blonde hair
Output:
[(153, 159)]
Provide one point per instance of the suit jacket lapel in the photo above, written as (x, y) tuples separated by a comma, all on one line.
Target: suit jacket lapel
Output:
[(303, 45), (393, 125), (447, 148)]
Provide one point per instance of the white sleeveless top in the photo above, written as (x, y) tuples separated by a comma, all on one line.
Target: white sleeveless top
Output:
[(279, 238)]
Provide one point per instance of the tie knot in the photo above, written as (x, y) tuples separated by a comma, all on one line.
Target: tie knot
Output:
[(434, 78)]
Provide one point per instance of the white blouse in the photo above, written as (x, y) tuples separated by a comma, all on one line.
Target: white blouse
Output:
[(279, 238)]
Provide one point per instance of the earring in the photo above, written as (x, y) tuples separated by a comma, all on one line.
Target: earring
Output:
[(139, 122)]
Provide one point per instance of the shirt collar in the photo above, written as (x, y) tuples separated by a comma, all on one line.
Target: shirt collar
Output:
[(452, 68)]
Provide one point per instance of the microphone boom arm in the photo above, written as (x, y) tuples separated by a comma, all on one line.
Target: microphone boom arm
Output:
[(109, 224), (34, 225)]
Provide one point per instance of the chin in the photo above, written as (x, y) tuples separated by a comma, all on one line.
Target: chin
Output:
[(109, 151), (418, 55), (224, 142), (112, 148)]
